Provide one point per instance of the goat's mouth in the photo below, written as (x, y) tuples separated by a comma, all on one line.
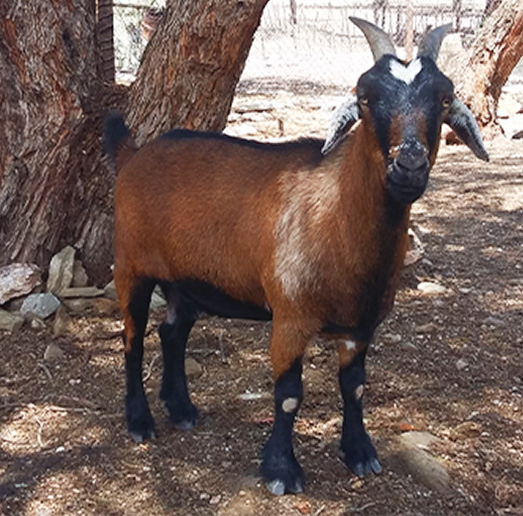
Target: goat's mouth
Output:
[(405, 184)]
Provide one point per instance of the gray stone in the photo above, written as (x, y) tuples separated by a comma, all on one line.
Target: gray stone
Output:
[(53, 353), (80, 278), (425, 328), (192, 368), (431, 288), (39, 305), (18, 279), (61, 270), (36, 323), (78, 305), (461, 364), (62, 322), (157, 302), (392, 338), (110, 291), (10, 322), (81, 292), (420, 463), (104, 306)]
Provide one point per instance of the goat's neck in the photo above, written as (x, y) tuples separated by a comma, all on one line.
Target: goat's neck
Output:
[(374, 224)]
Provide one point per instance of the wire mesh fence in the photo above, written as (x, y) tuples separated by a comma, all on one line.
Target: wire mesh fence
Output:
[(309, 41)]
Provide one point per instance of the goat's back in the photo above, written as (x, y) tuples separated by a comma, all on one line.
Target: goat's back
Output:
[(203, 205)]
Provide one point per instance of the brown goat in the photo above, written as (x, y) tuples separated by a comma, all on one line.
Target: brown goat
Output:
[(310, 234)]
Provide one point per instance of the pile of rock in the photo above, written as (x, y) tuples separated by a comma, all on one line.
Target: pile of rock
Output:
[(24, 298)]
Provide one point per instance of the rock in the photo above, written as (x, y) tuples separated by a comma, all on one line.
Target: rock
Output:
[(392, 338), (104, 306), (409, 346), (61, 270), (420, 463), (77, 305), (53, 353), (81, 292), (425, 328), (80, 278), (110, 291), (10, 322), (461, 364), (157, 302), (62, 322), (39, 305), (36, 323), (431, 288), (192, 368), (494, 321), (415, 252), (18, 279), (250, 396)]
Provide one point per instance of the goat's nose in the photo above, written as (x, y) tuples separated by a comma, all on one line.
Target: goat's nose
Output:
[(412, 154)]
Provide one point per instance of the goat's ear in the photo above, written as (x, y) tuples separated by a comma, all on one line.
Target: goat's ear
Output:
[(462, 121), (343, 119)]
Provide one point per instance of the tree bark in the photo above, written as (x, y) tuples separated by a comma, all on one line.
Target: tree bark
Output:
[(55, 188), (495, 52), (48, 83), (191, 66)]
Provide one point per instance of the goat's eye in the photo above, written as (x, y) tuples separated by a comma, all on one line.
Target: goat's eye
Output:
[(445, 103), (364, 101)]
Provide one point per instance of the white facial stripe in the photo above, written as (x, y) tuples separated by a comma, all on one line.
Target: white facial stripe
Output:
[(350, 345), (289, 405), (405, 73)]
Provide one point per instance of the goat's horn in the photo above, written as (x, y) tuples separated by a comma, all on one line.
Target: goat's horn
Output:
[(379, 41), (432, 42)]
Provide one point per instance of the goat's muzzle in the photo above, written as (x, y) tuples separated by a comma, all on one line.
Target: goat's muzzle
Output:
[(408, 172)]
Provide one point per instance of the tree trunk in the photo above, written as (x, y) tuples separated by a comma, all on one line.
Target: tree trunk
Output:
[(495, 52), (48, 84), (55, 189), (191, 66)]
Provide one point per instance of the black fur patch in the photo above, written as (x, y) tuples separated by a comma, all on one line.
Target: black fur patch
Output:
[(214, 301), (114, 133)]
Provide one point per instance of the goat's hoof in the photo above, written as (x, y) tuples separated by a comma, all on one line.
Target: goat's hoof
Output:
[(283, 475), (277, 487), (361, 457), (182, 417), (138, 437), (140, 422)]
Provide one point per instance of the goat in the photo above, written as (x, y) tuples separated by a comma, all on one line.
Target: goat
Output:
[(308, 234)]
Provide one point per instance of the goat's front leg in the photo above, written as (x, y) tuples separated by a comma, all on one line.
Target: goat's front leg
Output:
[(360, 454), (280, 469)]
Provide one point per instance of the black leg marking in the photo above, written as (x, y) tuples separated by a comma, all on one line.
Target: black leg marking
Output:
[(174, 390), (140, 423), (280, 469), (360, 454)]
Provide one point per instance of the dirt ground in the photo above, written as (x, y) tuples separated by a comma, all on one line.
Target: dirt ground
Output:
[(449, 364)]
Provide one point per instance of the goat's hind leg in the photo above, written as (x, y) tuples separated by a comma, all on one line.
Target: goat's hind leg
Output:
[(135, 295), (174, 332)]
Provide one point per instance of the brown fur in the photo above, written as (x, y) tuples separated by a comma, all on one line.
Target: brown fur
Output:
[(210, 209)]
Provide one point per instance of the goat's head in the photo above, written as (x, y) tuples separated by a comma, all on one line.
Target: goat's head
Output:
[(404, 105)]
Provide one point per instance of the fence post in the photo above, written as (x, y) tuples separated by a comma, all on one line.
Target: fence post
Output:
[(409, 36)]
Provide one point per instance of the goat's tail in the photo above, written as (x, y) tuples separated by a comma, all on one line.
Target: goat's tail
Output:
[(118, 141)]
